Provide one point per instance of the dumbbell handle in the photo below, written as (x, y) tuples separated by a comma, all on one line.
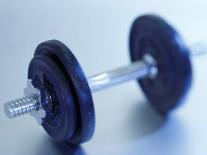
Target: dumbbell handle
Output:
[(136, 70)]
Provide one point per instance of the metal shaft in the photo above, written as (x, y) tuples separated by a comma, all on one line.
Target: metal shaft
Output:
[(136, 70)]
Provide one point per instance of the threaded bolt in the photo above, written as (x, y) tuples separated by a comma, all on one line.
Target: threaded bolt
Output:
[(22, 106)]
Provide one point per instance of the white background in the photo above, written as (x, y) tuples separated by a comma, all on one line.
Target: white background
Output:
[(97, 33)]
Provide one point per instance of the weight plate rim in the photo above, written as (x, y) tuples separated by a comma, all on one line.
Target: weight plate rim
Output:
[(79, 84)]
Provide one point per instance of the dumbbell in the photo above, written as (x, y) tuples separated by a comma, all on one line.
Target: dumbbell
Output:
[(58, 93)]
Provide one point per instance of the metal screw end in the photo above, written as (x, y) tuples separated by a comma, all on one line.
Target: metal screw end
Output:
[(22, 106)]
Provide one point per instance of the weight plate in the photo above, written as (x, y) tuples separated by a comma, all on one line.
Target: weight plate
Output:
[(152, 35), (77, 81), (61, 120)]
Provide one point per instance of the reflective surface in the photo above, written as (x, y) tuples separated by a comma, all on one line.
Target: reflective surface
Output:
[(136, 70), (97, 33)]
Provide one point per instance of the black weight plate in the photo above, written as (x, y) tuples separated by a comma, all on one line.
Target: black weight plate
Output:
[(62, 56), (61, 120), (152, 35)]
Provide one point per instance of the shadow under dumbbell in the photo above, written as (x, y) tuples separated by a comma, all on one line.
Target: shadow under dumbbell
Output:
[(172, 138), (131, 122), (143, 120), (50, 147)]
